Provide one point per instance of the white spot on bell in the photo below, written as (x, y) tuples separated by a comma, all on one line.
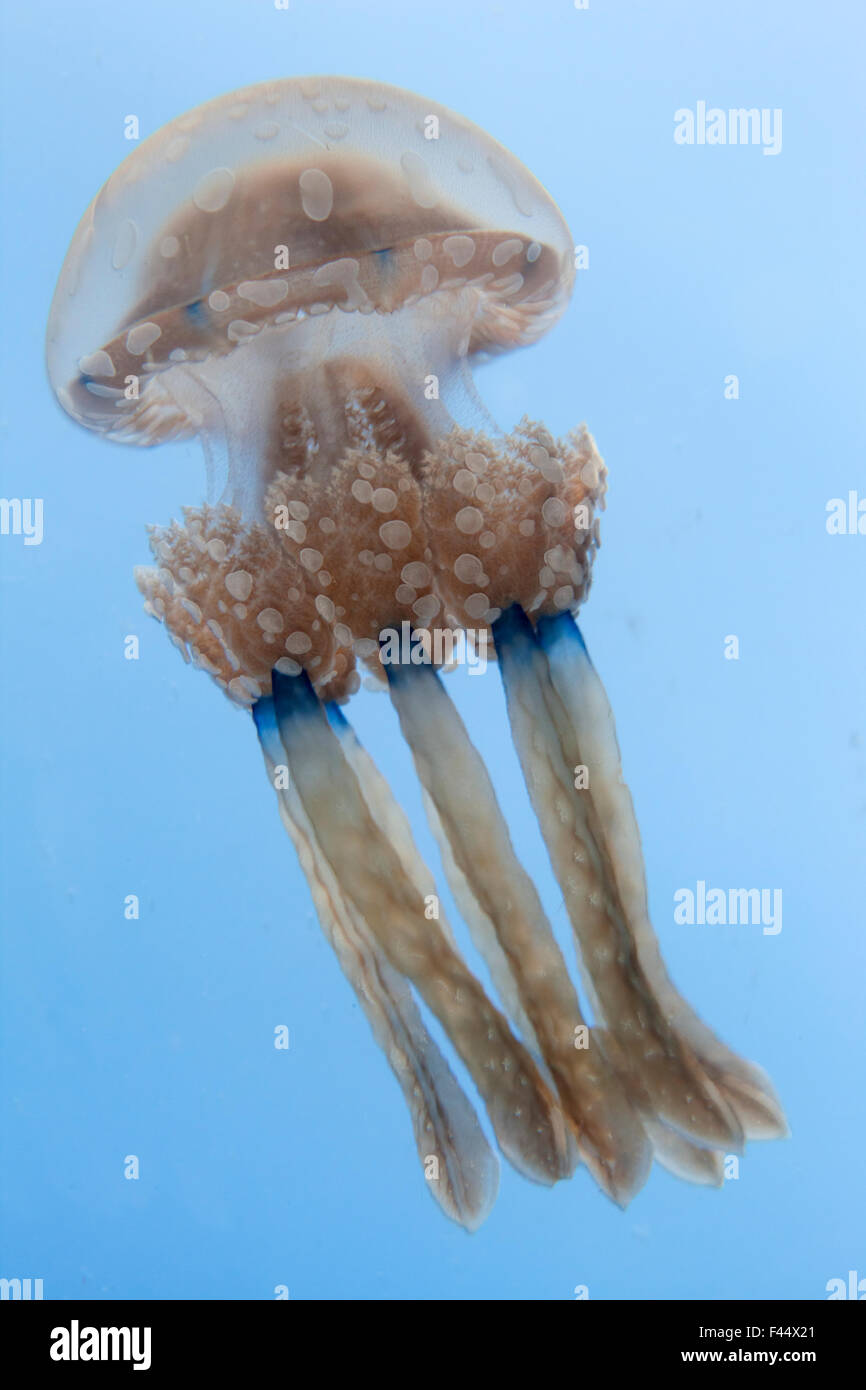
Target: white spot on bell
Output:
[(460, 249), (213, 191), (97, 364), (395, 534), (469, 520), (264, 293), (124, 245), (239, 584), (270, 620), (505, 250), (311, 559), (384, 500), (317, 194), (416, 573), (141, 337), (554, 511)]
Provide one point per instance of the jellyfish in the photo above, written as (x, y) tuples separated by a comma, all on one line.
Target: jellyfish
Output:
[(301, 274)]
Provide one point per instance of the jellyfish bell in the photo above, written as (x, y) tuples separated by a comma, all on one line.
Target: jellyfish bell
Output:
[(207, 272), (301, 274), (293, 271)]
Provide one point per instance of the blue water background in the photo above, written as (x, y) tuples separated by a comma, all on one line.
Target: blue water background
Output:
[(261, 1168)]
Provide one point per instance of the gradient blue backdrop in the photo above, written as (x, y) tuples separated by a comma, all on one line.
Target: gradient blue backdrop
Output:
[(154, 1037)]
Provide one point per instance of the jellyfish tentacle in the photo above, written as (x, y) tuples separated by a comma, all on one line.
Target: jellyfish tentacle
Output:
[(481, 929), (443, 1120), (392, 820), (679, 1090), (610, 1136), (394, 823), (386, 810), (682, 1156), (525, 1115), (577, 683)]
